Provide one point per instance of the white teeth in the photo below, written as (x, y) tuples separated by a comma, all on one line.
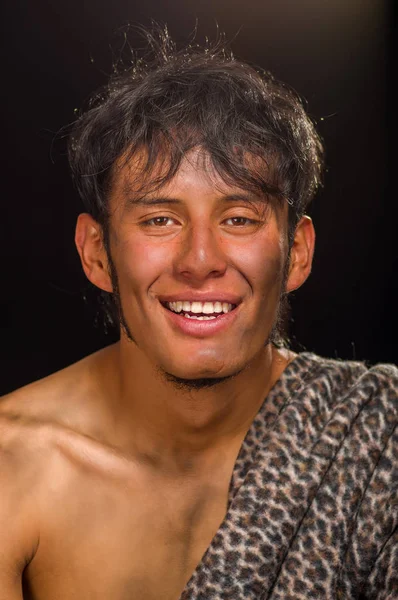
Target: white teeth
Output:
[(196, 307), (204, 308), (207, 308)]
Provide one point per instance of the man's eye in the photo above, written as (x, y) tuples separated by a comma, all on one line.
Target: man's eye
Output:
[(239, 221), (159, 221)]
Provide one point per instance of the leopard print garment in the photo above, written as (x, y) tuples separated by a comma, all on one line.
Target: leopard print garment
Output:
[(313, 505)]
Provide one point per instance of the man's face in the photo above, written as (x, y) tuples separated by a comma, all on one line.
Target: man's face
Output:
[(200, 268)]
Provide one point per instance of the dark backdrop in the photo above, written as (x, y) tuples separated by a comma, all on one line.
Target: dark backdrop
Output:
[(335, 53)]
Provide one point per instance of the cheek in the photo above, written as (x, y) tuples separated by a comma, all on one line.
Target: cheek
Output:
[(262, 265), (139, 264)]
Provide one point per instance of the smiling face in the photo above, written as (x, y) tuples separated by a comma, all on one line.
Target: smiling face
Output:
[(200, 269)]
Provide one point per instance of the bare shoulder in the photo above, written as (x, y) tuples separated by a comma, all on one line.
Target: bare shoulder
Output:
[(36, 418), (66, 398), (61, 414), (28, 418), (45, 439)]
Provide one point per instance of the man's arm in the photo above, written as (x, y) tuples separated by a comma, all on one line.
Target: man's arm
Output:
[(18, 535)]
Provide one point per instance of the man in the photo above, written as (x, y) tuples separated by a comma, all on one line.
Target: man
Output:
[(198, 458)]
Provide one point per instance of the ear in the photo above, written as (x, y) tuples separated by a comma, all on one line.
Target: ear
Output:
[(89, 244), (301, 254)]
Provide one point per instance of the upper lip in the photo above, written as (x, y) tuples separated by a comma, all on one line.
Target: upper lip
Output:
[(201, 297)]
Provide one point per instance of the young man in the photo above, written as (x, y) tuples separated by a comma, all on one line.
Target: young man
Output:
[(198, 458)]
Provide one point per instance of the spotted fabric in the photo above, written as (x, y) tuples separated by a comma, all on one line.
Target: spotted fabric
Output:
[(313, 502)]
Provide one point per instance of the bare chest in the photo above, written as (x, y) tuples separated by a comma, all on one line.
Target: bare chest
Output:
[(105, 539)]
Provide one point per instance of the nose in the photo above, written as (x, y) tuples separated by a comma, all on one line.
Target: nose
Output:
[(200, 255)]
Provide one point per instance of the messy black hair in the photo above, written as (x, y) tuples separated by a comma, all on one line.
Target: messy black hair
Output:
[(170, 101)]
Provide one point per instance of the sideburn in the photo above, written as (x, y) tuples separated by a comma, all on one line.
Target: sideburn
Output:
[(279, 332), (112, 303)]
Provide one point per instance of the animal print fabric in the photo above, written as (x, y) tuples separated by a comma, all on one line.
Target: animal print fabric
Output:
[(313, 503)]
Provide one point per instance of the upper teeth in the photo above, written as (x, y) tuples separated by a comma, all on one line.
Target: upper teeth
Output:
[(206, 308)]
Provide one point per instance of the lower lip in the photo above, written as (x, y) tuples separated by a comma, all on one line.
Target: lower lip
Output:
[(201, 329)]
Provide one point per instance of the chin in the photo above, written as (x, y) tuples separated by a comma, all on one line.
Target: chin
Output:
[(190, 385), (204, 375)]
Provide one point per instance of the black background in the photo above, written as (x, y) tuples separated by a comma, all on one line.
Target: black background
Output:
[(335, 53)]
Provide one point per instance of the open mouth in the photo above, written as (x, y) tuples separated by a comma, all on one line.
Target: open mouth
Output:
[(199, 311)]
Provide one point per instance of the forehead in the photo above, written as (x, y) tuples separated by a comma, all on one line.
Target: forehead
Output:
[(138, 175), (135, 177)]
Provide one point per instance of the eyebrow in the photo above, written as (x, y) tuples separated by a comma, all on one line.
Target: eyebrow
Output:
[(160, 200), (156, 201)]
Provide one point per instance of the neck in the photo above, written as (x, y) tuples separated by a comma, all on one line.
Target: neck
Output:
[(165, 421)]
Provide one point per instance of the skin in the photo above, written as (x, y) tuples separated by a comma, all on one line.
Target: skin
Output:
[(115, 480)]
